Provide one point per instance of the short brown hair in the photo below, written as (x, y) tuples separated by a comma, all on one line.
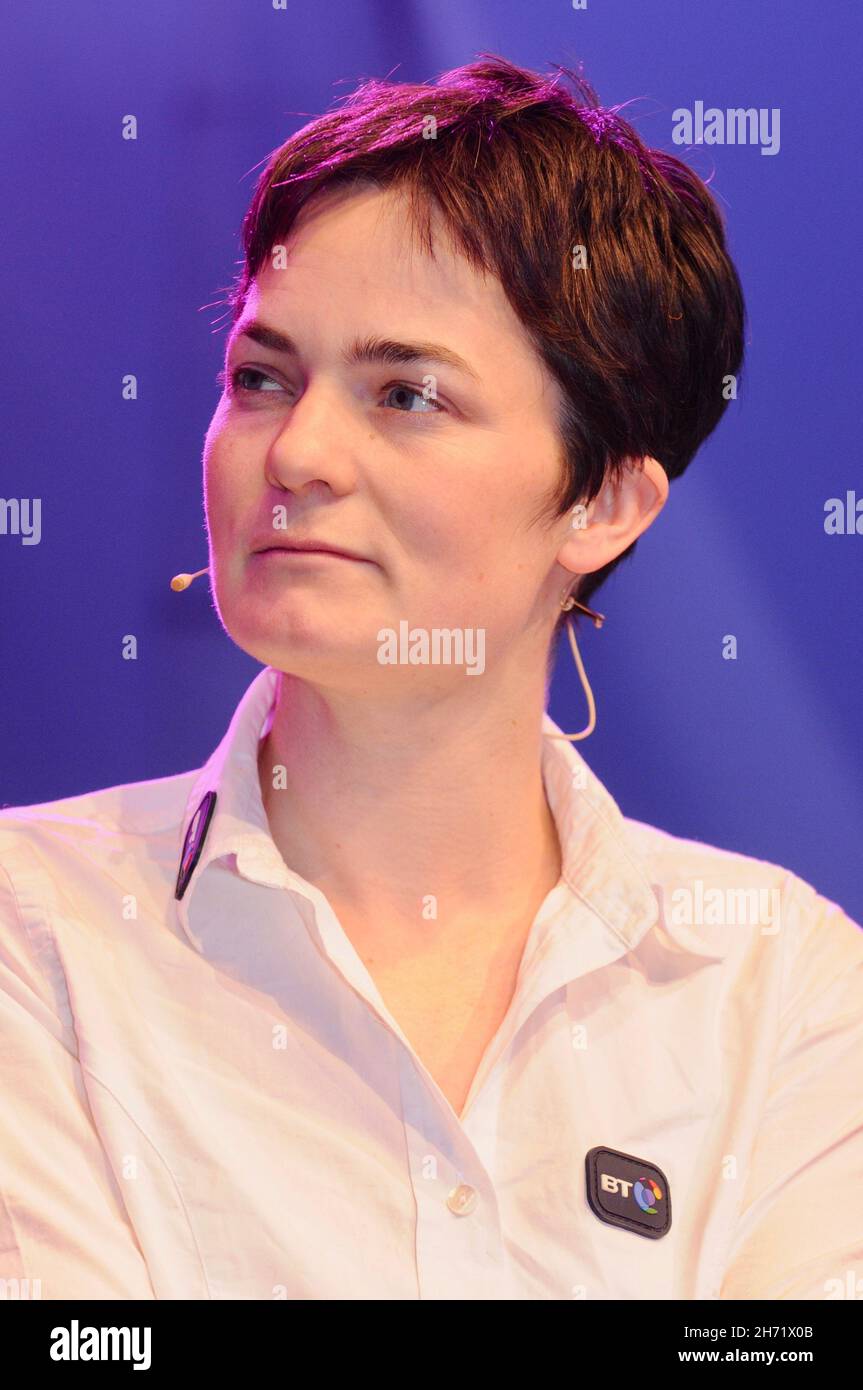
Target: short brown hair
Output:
[(523, 170)]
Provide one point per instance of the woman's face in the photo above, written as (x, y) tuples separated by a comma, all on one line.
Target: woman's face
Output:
[(323, 431)]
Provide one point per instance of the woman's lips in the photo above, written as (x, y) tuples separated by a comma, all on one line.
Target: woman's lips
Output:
[(283, 554)]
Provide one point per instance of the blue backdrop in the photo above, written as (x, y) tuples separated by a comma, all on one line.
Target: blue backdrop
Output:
[(114, 247)]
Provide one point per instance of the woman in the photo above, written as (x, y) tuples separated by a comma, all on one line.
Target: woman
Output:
[(389, 1000)]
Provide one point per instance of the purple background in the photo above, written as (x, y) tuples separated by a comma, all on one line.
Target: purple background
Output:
[(113, 248)]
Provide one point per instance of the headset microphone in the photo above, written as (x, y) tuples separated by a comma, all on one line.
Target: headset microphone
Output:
[(182, 581)]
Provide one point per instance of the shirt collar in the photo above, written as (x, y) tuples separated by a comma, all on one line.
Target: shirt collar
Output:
[(598, 865), (238, 824)]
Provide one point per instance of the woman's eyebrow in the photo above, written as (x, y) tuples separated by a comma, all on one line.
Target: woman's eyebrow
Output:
[(369, 349)]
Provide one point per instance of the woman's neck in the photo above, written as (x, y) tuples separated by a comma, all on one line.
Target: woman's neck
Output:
[(405, 813)]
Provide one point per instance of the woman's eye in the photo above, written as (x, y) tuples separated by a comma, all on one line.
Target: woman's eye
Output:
[(411, 393), (235, 382)]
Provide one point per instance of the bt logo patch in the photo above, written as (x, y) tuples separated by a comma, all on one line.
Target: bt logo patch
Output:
[(626, 1191)]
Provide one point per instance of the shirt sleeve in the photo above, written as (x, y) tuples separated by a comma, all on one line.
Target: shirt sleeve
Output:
[(63, 1225), (800, 1229)]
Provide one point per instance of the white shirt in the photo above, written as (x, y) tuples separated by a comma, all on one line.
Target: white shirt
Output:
[(207, 1097)]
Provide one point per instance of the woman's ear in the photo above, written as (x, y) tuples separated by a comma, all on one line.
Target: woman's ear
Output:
[(621, 511)]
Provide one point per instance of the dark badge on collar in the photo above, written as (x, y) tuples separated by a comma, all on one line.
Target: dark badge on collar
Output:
[(629, 1192), (194, 842)]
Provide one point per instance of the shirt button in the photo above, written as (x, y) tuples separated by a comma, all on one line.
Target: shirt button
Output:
[(462, 1199)]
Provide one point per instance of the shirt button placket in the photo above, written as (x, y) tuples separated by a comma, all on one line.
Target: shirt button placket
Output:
[(459, 1248)]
